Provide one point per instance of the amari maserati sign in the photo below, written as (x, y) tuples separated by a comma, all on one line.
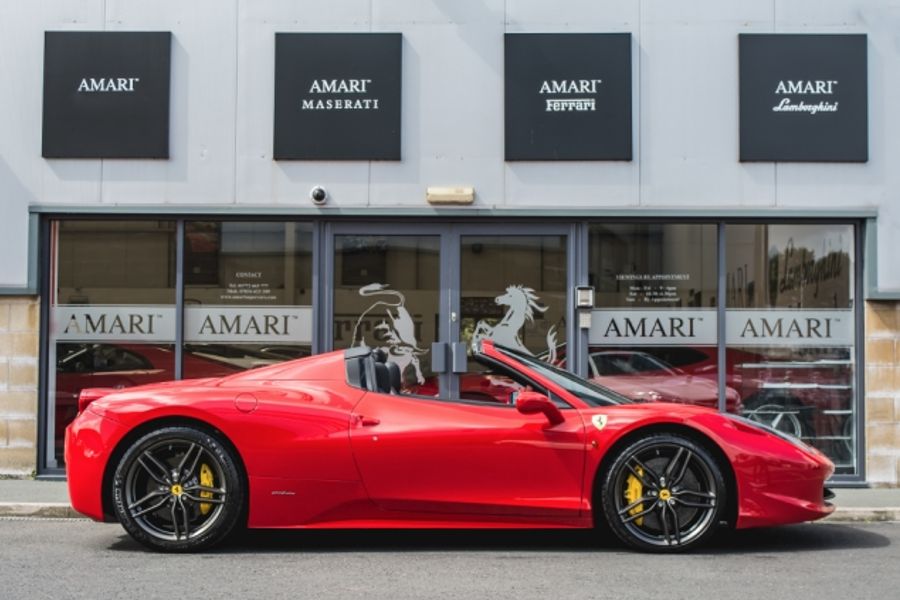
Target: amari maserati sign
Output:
[(106, 94), (337, 96), (568, 96), (803, 97)]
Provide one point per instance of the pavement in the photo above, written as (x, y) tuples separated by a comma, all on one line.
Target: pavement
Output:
[(50, 499)]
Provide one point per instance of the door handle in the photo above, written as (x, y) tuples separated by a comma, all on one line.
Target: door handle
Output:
[(367, 421), (439, 357), (459, 357)]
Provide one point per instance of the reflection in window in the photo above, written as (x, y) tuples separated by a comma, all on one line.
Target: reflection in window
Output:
[(248, 295), (387, 296), (513, 291), (112, 315), (654, 329), (790, 291), (653, 265)]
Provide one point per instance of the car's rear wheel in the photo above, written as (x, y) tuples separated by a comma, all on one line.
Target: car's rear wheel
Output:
[(664, 493), (178, 489)]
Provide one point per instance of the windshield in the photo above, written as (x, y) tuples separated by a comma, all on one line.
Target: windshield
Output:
[(590, 393)]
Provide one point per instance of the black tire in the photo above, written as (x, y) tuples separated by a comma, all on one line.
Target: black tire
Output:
[(664, 493), (178, 489)]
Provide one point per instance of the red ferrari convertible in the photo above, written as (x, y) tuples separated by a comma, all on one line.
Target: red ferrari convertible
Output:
[(332, 441)]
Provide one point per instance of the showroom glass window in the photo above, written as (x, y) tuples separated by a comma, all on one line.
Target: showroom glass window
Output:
[(112, 313), (790, 331), (247, 295), (387, 295), (653, 327)]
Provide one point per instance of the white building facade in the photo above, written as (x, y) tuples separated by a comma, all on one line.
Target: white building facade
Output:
[(616, 186)]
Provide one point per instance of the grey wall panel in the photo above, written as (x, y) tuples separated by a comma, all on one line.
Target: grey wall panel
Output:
[(685, 104), (586, 16), (581, 184), (452, 132), (689, 105), (260, 179), (25, 177), (202, 122)]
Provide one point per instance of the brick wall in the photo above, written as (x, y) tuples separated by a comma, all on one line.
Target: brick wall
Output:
[(883, 393), (18, 384)]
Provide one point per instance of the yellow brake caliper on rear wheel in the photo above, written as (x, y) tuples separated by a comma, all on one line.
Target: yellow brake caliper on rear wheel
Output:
[(206, 480), (633, 491)]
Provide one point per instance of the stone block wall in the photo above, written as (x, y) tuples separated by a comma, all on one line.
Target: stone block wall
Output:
[(18, 384), (882, 368)]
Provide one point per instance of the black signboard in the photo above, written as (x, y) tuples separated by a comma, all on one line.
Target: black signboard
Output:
[(337, 96), (568, 96), (106, 94), (803, 97)]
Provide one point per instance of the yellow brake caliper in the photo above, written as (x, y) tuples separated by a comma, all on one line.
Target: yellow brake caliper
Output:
[(633, 491), (206, 480)]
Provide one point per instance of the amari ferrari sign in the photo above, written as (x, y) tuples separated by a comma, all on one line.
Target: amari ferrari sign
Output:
[(337, 96), (568, 96), (803, 98), (106, 94)]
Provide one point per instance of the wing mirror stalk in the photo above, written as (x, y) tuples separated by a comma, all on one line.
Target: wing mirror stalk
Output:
[(532, 403)]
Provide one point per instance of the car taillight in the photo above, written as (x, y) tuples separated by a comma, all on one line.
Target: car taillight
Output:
[(88, 395)]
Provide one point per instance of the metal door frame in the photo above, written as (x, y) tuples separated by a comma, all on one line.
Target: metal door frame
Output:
[(450, 237)]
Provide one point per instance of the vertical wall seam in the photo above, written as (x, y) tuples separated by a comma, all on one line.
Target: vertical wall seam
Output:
[(639, 112), (237, 85)]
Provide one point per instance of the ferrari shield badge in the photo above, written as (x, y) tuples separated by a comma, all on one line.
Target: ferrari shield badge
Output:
[(599, 421)]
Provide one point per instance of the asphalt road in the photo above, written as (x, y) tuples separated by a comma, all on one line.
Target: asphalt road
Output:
[(72, 558)]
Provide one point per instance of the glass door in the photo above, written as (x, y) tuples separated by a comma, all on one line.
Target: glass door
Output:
[(424, 294), (512, 288), (386, 293)]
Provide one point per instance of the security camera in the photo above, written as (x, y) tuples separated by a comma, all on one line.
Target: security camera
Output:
[(318, 195)]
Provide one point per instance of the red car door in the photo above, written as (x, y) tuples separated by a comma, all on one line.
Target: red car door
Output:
[(428, 455)]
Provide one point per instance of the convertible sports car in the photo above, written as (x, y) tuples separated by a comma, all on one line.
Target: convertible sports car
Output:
[(331, 441)]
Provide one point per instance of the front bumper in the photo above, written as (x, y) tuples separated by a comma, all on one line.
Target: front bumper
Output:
[(787, 486)]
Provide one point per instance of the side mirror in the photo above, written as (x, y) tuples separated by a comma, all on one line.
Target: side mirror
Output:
[(532, 403)]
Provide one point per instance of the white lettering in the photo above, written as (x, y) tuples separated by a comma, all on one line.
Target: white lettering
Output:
[(822, 107), (569, 86), (339, 86), (570, 104), (110, 84), (801, 86), (340, 104)]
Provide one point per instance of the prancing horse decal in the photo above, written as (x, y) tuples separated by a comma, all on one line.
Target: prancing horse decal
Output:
[(521, 302), (397, 329)]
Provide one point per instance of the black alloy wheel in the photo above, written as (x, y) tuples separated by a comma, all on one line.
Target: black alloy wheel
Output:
[(664, 493), (178, 489)]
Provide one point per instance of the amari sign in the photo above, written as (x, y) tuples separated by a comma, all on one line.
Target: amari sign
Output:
[(568, 96), (803, 97), (106, 94), (337, 96), (221, 324), (697, 327)]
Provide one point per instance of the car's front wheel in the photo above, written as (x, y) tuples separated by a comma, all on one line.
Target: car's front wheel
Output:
[(663, 493), (178, 489)]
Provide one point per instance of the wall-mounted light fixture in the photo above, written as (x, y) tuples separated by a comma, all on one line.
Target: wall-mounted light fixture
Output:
[(450, 195)]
